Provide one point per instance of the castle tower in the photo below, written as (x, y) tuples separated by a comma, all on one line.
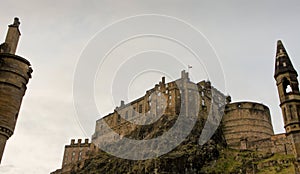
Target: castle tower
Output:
[(288, 90), (15, 73)]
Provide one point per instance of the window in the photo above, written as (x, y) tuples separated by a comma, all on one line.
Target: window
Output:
[(287, 86), (126, 114), (298, 111), (140, 108), (118, 118), (288, 89), (291, 111), (133, 111), (79, 155), (284, 114)]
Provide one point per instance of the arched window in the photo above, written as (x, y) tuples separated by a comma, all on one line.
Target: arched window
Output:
[(286, 86)]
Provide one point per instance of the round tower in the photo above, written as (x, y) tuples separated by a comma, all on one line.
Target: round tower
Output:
[(246, 121), (15, 73)]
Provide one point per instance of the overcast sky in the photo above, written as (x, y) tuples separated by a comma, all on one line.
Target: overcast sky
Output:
[(56, 35)]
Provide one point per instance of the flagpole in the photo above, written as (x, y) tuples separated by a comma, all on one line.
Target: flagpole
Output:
[(189, 67)]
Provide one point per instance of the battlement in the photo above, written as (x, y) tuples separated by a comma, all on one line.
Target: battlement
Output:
[(246, 105), (77, 152), (79, 143)]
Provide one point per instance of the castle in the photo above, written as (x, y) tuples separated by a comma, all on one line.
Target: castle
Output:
[(245, 125), (15, 72)]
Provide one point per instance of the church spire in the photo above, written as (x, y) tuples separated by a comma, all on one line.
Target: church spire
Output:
[(283, 62)]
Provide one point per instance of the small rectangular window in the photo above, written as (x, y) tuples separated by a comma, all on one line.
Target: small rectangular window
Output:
[(133, 111), (140, 108)]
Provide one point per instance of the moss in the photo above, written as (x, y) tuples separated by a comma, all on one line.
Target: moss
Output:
[(234, 161)]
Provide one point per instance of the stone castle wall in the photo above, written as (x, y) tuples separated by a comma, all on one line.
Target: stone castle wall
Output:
[(279, 143), (248, 126), (246, 121), (164, 100), (76, 153)]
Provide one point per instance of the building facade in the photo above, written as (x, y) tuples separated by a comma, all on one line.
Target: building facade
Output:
[(75, 153)]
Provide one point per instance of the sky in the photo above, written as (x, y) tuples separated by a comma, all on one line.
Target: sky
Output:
[(236, 41)]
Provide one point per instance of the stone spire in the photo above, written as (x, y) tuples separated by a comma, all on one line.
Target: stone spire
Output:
[(283, 63)]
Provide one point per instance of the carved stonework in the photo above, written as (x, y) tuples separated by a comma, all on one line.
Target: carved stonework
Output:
[(4, 48)]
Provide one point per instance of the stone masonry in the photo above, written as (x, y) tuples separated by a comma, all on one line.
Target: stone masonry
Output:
[(75, 153), (15, 72), (245, 125)]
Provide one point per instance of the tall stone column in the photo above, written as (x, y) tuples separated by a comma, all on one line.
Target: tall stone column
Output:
[(15, 72)]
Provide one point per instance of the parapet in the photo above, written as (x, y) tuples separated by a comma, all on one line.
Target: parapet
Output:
[(79, 143), (246, 105)]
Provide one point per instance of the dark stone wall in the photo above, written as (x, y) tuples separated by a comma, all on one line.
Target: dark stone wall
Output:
[(15, 72)]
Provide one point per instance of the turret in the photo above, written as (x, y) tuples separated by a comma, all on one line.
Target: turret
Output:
[(15, 72)]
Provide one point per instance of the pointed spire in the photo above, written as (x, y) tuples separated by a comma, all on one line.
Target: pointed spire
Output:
[(283, 63)]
